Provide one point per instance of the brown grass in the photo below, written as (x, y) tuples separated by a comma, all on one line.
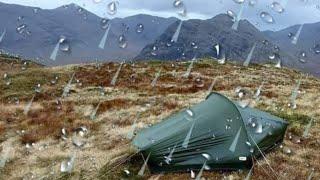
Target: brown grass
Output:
[(107, 138)]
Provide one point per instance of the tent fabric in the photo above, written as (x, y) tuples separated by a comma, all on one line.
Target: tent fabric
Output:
[(216, 133)]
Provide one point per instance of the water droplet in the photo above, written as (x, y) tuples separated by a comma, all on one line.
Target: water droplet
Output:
[(78, 141), (127, 172), (266, 17), (232, 15), (177, 3), (169, 44), (36, 10), (20, 18), (192, 174), (21, 28), (66, 89), (142, 170), (139, 28), (28, 106), (64, 44), (168, 158), (255, 124), (238, 1), (37, 88), (194, 45), (302, 56), (279, 64), (6, 149), (177, 33), (131, 133), (122, 41), (80, 10), (5, 76), (190, 112), (206, 156), (155, 80), (259, 128), (115, 77), (97, 1), (104, 23), (104, 37), (277, 7), (287, 151), (248, 143), (112, 7), (295, 39), (67, 166), (249, 57), (272, 56), (252, 2), (316, 48), (154, 50)]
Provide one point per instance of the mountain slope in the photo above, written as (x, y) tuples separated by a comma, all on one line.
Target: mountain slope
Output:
[(235, 45), (308, 43), (82, 29)]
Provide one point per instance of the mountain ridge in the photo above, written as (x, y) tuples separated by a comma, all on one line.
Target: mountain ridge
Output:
[(46, 26), (236, 44)]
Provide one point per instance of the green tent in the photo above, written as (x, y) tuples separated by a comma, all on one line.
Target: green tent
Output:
[(215, 134)]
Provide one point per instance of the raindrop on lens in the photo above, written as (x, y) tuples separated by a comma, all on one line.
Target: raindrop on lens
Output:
[(21, 28), (252, 2), (238, 1), (290, 35), (277, 7), (231, 14), (122, 42), (272, 56), (63, 44), (177, 3), (139, 28), (20, 18), (104, 23), (154, 50), (206, 156), (266, 17), (112, 7), (316, 48), (80, 10), (302, 56), (194, 45), (189, 112), (35, 10)]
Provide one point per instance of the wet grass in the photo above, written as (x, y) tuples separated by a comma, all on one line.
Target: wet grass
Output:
[(121, 103), (116, 170)]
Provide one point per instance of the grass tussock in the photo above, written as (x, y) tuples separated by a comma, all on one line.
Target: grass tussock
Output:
[(46, 123), (119, 169)]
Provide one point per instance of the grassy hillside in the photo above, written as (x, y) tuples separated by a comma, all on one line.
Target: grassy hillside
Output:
[(39, 140)]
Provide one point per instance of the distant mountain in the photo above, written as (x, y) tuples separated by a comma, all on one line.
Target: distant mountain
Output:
[(198, 37), (307, 49), (33, 33), (41, 29)]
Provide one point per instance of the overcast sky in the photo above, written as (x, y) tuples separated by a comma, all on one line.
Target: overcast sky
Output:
[(296, 11)]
